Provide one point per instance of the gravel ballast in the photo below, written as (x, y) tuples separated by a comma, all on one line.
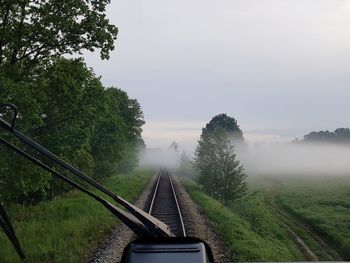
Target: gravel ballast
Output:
[(196, 224)]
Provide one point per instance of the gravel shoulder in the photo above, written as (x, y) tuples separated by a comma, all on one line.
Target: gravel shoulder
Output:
[(111, 249), (197, 225)]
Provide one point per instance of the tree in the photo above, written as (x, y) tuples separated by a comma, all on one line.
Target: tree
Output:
[(19, 180), (67, 110), (226, 123), (117, 135), (220, 173), (35, 31), (58, 109), (131, 158)]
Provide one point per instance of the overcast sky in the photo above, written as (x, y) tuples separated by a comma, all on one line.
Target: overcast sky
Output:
[(281, 68)]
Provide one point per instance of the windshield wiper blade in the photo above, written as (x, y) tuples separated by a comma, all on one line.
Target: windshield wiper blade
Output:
[(128, 219), (155, 226), (10, 232)]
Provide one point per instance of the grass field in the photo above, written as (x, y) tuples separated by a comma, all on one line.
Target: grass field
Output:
[(67, 228), (248, 228), (265, 225), (324, 204)]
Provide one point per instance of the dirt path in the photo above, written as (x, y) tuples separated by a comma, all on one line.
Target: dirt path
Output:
[(310, 243), (323, 251)]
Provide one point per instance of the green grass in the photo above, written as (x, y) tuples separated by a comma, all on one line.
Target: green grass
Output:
[(69, 227), (248, 227), (255, 227), (324, 203)]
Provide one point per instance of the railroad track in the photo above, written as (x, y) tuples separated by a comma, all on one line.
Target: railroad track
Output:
[(164, 204)]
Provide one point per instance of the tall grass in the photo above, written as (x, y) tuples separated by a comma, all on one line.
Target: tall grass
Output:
[(67, 228), (324, 203), (247, 227)]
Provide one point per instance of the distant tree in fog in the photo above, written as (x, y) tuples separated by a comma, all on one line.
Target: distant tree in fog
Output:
[(186, 165), (226, 123), (340, 135), (220, 173)]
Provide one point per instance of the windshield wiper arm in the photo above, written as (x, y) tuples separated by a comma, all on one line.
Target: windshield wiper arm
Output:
[(157, 227), (128, 219), (9, 231)]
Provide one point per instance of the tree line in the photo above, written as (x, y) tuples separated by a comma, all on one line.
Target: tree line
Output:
[(339, 136), (62, 104)]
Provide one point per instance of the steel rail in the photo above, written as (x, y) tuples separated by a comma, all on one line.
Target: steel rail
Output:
[(178, 207), (165, 206), (154, 194)]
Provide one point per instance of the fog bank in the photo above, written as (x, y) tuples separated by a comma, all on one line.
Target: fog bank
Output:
[(158, 157), (281, 159), (290, 158)]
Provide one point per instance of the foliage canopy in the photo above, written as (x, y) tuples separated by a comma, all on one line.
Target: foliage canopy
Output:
[(35, 31), (225, 123), (67, 110)]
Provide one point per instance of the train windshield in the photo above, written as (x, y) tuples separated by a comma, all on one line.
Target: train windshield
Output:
[(179, 131)]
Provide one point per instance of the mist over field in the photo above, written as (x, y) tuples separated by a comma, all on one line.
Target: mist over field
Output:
[(289, 158), (278, 159)]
